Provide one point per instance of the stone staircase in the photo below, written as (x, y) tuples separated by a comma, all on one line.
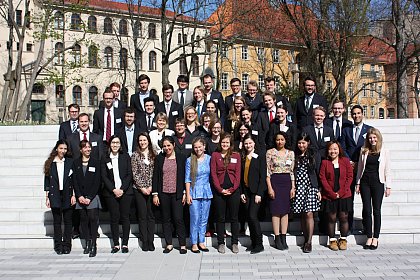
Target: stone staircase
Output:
[(25, 222)]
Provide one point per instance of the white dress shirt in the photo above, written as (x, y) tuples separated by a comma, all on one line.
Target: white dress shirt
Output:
[(115, 170), (60, 171)]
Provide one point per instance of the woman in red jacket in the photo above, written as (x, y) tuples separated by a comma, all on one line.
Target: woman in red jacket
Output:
[(336, 175), (226, 176)]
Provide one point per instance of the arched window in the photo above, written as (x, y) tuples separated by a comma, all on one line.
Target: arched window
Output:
[(123, 58), (139, 58), (76, 22), (122, 28), (93, 56), (93, 96), (59, 55), (179, 38), (137, 29), (92, 26), (183, 66), (77, 54), (195, 68), (152, 31), (58, 20), (77, 95), (152, 61), (107, 25), (109, 57), (38, 89)]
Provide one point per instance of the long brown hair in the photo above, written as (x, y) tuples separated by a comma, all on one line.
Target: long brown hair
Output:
[(53, 154), (367, 147), (149, 145), (194, 161), (229, 153), (233, 115)]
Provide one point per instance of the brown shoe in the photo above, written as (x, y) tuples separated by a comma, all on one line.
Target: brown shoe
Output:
[(333, 245), (342, 244)]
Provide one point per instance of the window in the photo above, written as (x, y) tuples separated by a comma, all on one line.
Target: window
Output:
[(93, 56), (244, 55), (350, 89), (152, 61), (381, 113), (224, 52), (17, 46), (184, 39), (58, 20), (29, 47), (18, 19), (329, 86), (107, 25), (179, 38), (93, 96), (92, 26), (379, 92), (59, 55), (152, 31), (372, 67), (372, 111), (38, 89), (364, 90), (209, 44), (198, 40), (122, 28), (245, 80), (59, 95), (77, 95), (76, 22), (224, 81), (123, 58), (260, 54), (372, 90), (364, 110), (195, 67), (109, 57), (137, 29), (139, 58), (260, 81), (77, 54), (277, 81), (183, 69), (276, 56)]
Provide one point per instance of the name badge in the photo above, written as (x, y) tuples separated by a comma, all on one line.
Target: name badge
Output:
[(284, 128), (288, 162), (118, 120), (94, 144), (254, 155), (188, 146), (91, 169), (146, 161), (216, 101), (254, 132), (175, 113), (336, 165), (364, 135), (70, 172), (154, 124), (326, 139), (279, 103), (315, 106), (233, 160), (109, 164)]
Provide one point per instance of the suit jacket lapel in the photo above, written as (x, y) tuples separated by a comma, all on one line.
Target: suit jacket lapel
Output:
[(67, 167)]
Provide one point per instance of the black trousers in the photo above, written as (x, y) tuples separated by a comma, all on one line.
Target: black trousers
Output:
[(62, 240), (172, 211), (372, 192), (119, 209), (221, 203), (144, 206), (252, 217), (89, 223)]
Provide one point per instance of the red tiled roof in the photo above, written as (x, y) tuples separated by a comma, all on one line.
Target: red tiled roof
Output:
[(374, 49)]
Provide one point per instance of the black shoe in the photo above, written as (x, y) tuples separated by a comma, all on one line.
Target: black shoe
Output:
[(145, 246), (167, 250), (66, 251), (203, 249), (88, 247), (197, 251), (58, 251), (257, 249), (151, 246), (92, 252), (124, 250), (366, 247), (307, 248), (284, 241), (374, 247), (279, 244), (183, 251), (115, 249)]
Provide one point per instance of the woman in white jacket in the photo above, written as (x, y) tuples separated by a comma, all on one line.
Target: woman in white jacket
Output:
[(373, 181)]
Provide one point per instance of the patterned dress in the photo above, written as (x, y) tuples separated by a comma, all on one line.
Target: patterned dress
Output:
[(306, 199)]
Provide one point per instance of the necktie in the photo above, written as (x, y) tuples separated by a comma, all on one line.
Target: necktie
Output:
[(319, 135), (108, 125), (307, 104), (74, 127), (356, 135), (198, 110), (337, 130), (181, 101), (84, 136), (271, 116), (149, 123), (167, 109)]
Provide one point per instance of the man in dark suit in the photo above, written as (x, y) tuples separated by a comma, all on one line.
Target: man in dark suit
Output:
[(70, 126), (305, 104), (235, 85), (107, 120), (270, 85), (352, 141), (182, 95), (129, 133), (172, 109), (147, 119), (253, 99), (115, 88), (137, 99), (337, 122), (216, 96)]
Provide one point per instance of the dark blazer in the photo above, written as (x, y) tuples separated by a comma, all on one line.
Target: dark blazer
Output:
[(257, 175), (121, 105), (327, 136), (142, 120), (176, 111), (292, 133), (217, 97), (218, 171), (254, 105), (95, 141), (136, 105), (282, 100), (304, 118), (229, 102), (65, 130), (87, 185), (123, 138), (346, 123), (313, 174), (327, 179), (52, 185), (186, 147), (157, 184), (99, 124), (124, 170), (350, 147), (264, 121)]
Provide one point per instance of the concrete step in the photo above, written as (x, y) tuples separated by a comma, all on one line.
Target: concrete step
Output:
[(23, 161), (407, 155), (17, 171), (12, 153), (22, 180)]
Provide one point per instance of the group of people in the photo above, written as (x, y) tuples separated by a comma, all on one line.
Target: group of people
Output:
[(217, 155)]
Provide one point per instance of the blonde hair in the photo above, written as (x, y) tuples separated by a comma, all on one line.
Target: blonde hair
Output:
[(162, 116), (367, 147), (189, 107)]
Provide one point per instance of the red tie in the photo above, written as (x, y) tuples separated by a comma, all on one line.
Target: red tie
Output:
[(108, 126), (271, 116), (84, 136)]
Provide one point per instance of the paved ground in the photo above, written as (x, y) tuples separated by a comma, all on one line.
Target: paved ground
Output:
[(388, 262)]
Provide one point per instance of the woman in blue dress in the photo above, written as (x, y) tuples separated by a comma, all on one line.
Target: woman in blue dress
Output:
[(199, 193)]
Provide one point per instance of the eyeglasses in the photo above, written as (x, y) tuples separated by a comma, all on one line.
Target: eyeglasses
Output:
[(116, 143)]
